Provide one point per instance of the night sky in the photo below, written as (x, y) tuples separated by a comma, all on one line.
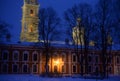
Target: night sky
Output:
[(11, 12)]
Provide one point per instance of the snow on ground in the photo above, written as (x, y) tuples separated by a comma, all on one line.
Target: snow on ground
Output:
[(38, 78)]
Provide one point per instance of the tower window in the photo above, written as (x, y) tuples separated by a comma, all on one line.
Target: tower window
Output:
[(31, 28), (31, 12)]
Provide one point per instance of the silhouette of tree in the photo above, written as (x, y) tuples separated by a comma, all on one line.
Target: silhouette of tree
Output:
[(49, 22), (83, 14), (4, 32)]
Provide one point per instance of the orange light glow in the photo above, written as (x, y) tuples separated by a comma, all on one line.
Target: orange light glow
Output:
[(57, 62)]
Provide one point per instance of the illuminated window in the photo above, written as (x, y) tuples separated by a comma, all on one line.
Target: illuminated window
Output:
[(55, 69), (63, 68), (55, 57), (31, 13), (31, 28)]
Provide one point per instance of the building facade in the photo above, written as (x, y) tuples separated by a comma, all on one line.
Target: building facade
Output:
[(21, 59)]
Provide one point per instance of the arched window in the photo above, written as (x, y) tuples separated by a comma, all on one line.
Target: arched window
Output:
[(25, 56), (5, 55), (31, 28), (15, 55), (55, 69), (34, 68), (31, 12), (74, 58), (35, 56), (25, 68), (74, 69), (15, 68), (63, 57)]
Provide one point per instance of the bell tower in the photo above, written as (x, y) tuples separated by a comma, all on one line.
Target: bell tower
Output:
[(30, 20)]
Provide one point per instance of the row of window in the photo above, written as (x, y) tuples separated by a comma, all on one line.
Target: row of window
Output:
[(25, 69), (90, 58), (16, 69), (95, 59), (91, 69), (16, 54)]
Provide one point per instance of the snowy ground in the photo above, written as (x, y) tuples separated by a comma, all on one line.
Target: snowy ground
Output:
[(38, 78)]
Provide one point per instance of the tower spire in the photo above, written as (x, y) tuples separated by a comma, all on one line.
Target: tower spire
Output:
[(30, 20)]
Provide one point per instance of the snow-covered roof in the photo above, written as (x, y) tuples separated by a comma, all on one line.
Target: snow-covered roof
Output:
[(57, 44)]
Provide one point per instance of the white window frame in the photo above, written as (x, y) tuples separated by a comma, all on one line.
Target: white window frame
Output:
[(36, 68), (111, 69), (75, 57), (95, 59), (23, 68), (7, 55), (55, 56), (35, 52), (17, 68), (91, 58), (14, 52), (25, 52), (94, 70), (117, 57), (64, 68), (64, 60), (76, 68)]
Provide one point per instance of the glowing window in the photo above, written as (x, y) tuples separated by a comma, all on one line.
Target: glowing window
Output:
[(55, 69), (31, 28), (31, 13)]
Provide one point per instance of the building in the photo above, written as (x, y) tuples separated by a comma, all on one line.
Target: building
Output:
[(78, 33), (29, 58), (30, 21)]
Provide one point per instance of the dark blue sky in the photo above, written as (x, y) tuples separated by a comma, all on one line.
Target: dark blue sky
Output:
[(11, 12)]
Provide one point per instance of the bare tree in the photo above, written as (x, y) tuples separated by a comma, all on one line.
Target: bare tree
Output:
[(49, 22), (4, 32), (84, 12), (104, 25)]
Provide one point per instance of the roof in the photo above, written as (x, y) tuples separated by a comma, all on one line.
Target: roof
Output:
[(57, 44)]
